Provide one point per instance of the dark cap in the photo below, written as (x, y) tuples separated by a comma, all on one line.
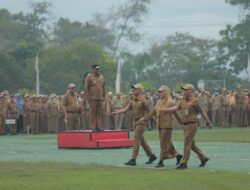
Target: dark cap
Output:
[(96, 66)]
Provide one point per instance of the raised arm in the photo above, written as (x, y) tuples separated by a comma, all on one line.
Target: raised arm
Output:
[(170, 109), (123, 110)]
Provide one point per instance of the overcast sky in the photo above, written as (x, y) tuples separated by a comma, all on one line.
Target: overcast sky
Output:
[(201, 18)]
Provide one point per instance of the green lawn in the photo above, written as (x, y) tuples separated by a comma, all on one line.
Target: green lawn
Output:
[(210, 135), (54, 176), (37, 164)]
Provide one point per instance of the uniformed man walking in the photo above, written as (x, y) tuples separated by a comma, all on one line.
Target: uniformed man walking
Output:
[(190, 107), (95, 94), (139, 109), (165, 125)]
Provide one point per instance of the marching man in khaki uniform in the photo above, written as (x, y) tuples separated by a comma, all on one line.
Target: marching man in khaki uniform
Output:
[(139, 109), (95, 94), (190, 107), (72, 108), (164, 124)]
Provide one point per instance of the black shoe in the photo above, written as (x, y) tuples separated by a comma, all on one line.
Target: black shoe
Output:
[(181, 167), (178, 159), (131, 162), (151, 159), (160, 164), (203, 162)]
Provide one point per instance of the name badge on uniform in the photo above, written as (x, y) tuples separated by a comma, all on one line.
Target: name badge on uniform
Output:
[(186, 112)]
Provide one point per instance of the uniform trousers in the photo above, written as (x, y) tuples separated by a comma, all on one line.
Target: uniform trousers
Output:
[(53, 124), (239, 114), (189, 143), (2, 125), (140, 140), (73, 121), (34, 122), (95, 111), (167, 148)]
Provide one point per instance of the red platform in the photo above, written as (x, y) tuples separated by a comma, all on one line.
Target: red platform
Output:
[(93, 139)]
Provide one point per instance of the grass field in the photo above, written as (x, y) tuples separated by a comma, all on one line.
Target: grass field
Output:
[(213, 135), (31, 162)]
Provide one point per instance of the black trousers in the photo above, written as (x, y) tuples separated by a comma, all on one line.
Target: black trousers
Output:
[(20, 124)]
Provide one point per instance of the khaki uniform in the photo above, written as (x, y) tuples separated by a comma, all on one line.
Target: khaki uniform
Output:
[(26, 114), (224, 111), (34, 109), (139, 109), (164, 123), (128, 116), (85, 113), (118, 104), (43, 119), (109, 108), (61, 116), (73, 109), (12, 113), (216, 107), (95, 93), (52, 112), (239, 111), (190, 110), (203, 101), (246, 107), (2, 116)]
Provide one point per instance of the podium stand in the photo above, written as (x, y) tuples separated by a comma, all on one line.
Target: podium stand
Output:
[(87, 139)]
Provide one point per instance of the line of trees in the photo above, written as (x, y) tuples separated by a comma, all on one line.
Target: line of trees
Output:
[(68, 48)]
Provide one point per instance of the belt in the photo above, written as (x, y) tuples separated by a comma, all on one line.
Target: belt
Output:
[(188, 123)]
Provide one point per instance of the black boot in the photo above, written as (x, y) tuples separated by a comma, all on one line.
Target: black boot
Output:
[(131, 162), (182, 167), (178, 159), (151, 159), (160, 164), (203, 162)]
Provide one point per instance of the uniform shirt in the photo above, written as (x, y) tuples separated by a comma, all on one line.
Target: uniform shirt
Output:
[(216, 102), (94, 87), (231, 99), (71, 102), (2, 108), (224, 100), (163, 120), (203, 100), (138, 107), (118, 103), (12, 110), (25, 107), (33, 106), (52, 108), (239, 97), (190, 109)]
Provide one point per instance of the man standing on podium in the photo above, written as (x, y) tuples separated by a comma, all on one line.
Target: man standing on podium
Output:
[(95, 94)]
